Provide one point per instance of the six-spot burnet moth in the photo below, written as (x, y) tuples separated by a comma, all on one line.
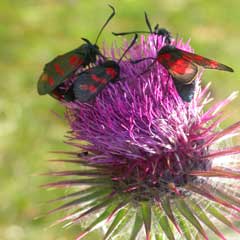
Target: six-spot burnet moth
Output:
[(56, 71), (92, 81), (184, 67)]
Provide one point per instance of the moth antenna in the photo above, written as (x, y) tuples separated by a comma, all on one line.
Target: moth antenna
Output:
[(142, 59), (106, 23), (126, 33), (148, 68), (86, 40), (148, 22), (156, 28), (131, 44), (150, 29)]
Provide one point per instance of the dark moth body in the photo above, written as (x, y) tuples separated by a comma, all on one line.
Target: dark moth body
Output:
[(61, 67), (184, 66), (93, 81), (186, 92), (61, 94)]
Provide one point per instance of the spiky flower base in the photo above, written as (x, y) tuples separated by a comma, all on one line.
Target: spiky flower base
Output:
[(153, 161)]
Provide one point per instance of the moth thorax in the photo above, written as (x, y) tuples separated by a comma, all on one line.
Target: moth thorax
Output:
[(166, 49), (111, 64)]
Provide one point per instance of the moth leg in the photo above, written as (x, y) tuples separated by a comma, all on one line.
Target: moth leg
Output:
[(114, 80)]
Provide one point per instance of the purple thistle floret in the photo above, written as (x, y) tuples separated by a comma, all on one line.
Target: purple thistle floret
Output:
[(153, 160)]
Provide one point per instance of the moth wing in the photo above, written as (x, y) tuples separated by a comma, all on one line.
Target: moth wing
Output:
[(90, 83), (60, 93), (205, 62), (183, 71), (56, 71)]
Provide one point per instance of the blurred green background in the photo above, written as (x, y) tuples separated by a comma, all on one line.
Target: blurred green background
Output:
[(34, 32)]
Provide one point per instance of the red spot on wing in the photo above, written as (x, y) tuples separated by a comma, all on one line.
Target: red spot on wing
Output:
[(111, 72), (166, 56), (192, 57), (58, 69), (202, 61), (95, 78), (214, 64), (44, 77), (75, 60), (166, 59), (198, 57), (180, 66), (83, 87), (92, 88), (177, 66), (50, 81)]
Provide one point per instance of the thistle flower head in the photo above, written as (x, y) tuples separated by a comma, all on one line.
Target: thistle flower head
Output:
[(152, 160)]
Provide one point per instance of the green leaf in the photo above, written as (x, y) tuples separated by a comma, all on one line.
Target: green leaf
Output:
[(95, 208), (90, 197), (126, 219), (214, 211), (187, 213), (98, 221), (88, 173), (78, 211), (210, 194), (227, 197), (116, 222), (165, 204), (75, 194), (164, 224), (137, 225), (204, 218), (185, 229), (159, 236), (78, 182), (146, 214)]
